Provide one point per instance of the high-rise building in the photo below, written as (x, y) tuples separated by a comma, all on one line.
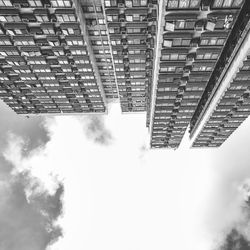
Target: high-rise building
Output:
[(47, 61), (225, 103), (132, 28), (192, 37), (182, 62)]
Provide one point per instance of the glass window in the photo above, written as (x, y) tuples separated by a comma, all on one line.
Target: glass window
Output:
[(204, 41), (237, 3), (180, 24), (207, 55), (220, 41), (194, 3), (172, 4), (5, 3), (184, 3), (174, 56), (185, 42), (129, 18), (42, 18), (35, 3), (227, 3), (218, 3), (61, 3)]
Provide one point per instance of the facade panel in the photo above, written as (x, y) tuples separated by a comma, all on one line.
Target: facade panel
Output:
[(132, 26), (44, 60), (194, 34)]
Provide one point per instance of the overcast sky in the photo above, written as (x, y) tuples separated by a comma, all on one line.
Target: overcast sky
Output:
[(91, 182)]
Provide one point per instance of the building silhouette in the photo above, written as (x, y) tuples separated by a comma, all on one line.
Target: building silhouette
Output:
[(184, 63)]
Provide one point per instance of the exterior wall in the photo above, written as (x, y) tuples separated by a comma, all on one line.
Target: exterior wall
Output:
[(100, 43), (224, 105), (45, 62), (230, 111), (131, 26), (194, 36)]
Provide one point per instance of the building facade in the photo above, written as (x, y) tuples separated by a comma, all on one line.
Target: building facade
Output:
[(225, 103), (47, 63), (184, 63), (194, 35)]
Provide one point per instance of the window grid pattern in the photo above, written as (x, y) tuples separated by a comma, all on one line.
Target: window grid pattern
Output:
[(45, 66), (132, 29), (191, 46), (232, 109), (99, 40)]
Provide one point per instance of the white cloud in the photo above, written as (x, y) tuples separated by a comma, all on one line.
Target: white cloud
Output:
[(120, 195)]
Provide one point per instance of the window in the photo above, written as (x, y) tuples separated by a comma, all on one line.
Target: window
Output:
[(110, 3), (40, 70), (137, 60), (10, 18), (176, 42), (5, 3), (36, 61), (73, 41), (66, 18), (207, 55), (48, 30), (179, 24), (88, 9), (24, 41), (42, 18), (135, 3), (28, 78), (171, 69), (63, 61), (31, 53), (5, 41), (227, 3), (173, 57), (94, 32), (8, 52), (35, 3), (214, 41), (16, 61), (202, 68), (78, 52), (136, 18), (81, 61), (101, 21), (61, 3), (246, 67), (71, 31), (103, 32), (183, 4), (112, 18)]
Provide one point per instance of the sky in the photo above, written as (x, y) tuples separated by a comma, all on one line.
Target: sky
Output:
[(91, 182)]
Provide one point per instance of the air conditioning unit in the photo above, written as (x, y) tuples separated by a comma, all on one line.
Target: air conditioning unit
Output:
[(210, 25), (17, 5), (199, 25), (121, 17), (123, 30), (124, 41), (121, 3), (169, 26), (195, 42), (205, 5), (125, 51), (150, 4), (191, 57)]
